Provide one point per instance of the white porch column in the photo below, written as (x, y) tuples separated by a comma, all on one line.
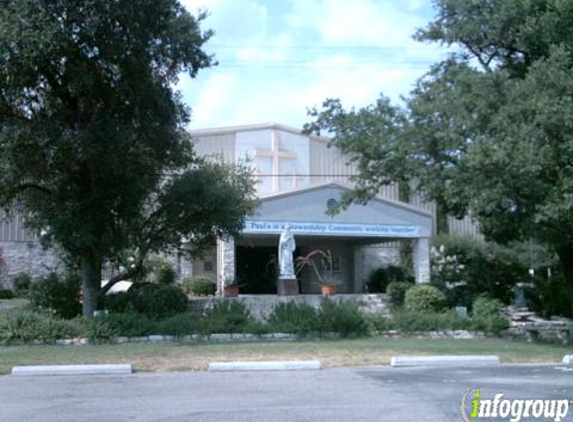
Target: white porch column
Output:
[(422, 260), (225, 262)]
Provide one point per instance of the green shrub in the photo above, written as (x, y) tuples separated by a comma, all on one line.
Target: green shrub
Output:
[(381, 277), (408, 321), (343, 318), (98, 330), (164, 273), (177, 325), (21, 283), (296, 318), (493, 324), (119, 302), (157, 300), (485, 307), (397, 292), (199, 286), (131, 324), (425, 298), (6, 294), (550, 296), (465, 268), (226, 316), (23, 326), (58, 296)]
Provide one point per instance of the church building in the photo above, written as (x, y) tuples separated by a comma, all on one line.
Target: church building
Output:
[(299, 177)]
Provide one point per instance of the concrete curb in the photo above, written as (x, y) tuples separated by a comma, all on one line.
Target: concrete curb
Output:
[(265, 366), (568, 359), (447, 360), (39, 370)]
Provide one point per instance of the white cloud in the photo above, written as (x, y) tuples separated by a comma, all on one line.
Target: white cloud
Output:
[(263, 77)]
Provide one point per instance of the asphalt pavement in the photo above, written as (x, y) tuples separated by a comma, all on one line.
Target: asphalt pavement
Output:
[(348, 394)]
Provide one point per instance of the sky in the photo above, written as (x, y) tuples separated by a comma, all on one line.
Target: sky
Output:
[(278, 58)]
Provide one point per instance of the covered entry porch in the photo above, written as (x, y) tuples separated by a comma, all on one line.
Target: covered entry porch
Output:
[(251, 258)]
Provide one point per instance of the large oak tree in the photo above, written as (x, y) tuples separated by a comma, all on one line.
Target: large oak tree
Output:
[(489, 131), (92, 143)]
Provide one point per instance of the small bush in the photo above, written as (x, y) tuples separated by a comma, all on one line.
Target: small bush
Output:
[(131, 324), (177, 325), (6, 294), (343, 318), (227, 316), (295, 318), (119, 302), (397, 292), (381, 277), (164, 273), (23, 326), (58, 296), (199, 286), (98, 330), (158, 300), (21, 283), (408, 321), (425, 298), (485, 307)]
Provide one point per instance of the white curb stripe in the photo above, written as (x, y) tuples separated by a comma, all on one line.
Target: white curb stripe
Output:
[(265, 366), (34, 370), (453, 360)]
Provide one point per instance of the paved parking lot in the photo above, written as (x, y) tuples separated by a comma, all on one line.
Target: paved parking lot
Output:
[(350, 394)]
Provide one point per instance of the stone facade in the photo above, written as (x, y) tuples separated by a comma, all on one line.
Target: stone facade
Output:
[(29, 257), (422, 260)]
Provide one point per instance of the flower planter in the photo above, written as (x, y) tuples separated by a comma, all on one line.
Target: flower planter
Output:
[(328, 289), (231, 291)]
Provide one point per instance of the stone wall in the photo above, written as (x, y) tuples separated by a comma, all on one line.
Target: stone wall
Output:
[(30, 257)]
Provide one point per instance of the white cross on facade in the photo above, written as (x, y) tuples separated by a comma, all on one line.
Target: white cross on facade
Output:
[(275, 154)]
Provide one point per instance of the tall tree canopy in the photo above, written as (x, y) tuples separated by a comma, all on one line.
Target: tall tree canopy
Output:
[(486, 132), (92, 142)]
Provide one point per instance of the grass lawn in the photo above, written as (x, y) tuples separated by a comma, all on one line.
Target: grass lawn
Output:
[(332, 353)]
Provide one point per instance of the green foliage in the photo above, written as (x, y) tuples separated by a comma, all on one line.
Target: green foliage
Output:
[(131, 324), (462, 124), (24, 326), (465, 268), (51, 293), (164, 273), (397, 293), (6, 294), (21, 283), (296, 318), (91, 121), (119, 302), (199, 286), (227, 316), (550, 296), (343, 318), (425, 298), (381, 277), (158, 300), (415, 321), (485, 307)]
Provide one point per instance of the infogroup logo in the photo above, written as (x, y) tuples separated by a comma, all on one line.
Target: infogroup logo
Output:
[(475, 406)]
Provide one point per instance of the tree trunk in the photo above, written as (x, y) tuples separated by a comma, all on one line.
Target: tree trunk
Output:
[(442, 224), (90, 267)]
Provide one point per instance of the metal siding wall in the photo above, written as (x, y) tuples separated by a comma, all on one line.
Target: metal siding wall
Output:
[(12, 229), (216, 145)]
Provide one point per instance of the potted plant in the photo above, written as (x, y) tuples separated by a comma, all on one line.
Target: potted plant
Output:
[(321, 262), (231, 287)]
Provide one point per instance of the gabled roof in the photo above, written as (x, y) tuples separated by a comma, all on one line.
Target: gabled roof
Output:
[(346, 187)]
